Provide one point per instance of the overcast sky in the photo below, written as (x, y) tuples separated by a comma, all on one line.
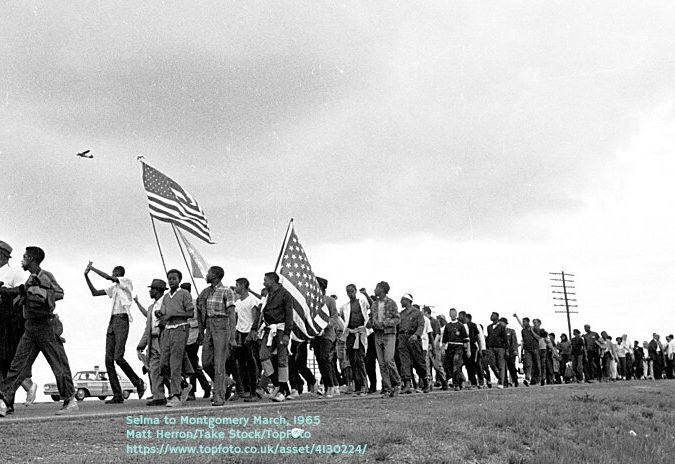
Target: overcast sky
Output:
[(460, 151)]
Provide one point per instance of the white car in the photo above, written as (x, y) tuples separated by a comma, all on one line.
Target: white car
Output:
[(90, 384)]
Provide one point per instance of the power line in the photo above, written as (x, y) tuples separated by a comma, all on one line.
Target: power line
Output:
[(564, 283)]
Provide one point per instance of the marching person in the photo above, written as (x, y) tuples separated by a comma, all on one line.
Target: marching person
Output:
[(324, 343), (217, 308), (150, 342), (275, 334), (410, 333), (118, 329), (455, 341), (175, 310), (384, 319), (11, 321), (37, 299), (355, 336), (194, 341), (496, 347), (247, 308)]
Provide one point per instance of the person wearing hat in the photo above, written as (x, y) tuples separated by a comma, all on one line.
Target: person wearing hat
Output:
[(410, 333), (118, 329), (150, 343), (11, 321)]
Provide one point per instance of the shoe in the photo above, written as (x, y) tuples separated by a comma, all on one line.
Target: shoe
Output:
[(293, 395), (500, 386), (444, 386), (279, 397), (207, 392), (526, 383), (140, 388), (407, 388), (396, 391), (31, 394), (252, 399), (217, 401), (174, 402), (157, 402), (115, 400), (233, 397), (191, 397), (386, 394), (245, 395), (69, 406), (274, 392), (260, 393), (489, 384), (336, 391), (3, 408), (312, 388), (456, 388), (185, 392)]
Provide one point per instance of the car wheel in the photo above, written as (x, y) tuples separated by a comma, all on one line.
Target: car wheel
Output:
[(126, 394), (56, 397), (81, 394), (102, 397)]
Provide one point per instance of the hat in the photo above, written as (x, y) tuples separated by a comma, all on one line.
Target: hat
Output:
[(407, 296), (159, 284), (504, 320), (5, 248), (323, 283)]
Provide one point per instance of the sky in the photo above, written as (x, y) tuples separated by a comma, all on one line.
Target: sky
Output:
[(459, 151)]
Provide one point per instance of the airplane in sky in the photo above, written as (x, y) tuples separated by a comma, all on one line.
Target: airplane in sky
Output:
[(85, 154)]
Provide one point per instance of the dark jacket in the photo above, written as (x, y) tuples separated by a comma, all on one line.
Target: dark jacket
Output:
[(496, 337)]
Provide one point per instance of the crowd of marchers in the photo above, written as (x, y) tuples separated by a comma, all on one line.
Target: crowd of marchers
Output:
[(248, 352)]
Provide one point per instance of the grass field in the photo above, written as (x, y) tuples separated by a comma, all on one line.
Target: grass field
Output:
[(627, 422)]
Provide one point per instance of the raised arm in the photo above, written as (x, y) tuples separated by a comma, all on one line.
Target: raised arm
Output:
[(94, 291), (519, 321), (143, 311)]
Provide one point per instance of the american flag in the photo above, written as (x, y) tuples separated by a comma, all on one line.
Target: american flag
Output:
[(310, 316), (168, 202)]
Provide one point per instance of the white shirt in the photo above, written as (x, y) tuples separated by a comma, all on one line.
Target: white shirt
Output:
[(244, 309), (121, 294), (154, 321), (12, 277), (670, 349), (425, 336)]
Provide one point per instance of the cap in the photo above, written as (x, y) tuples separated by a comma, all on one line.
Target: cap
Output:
[(5, 248), (407, 296), (504, 320), (159, 284)]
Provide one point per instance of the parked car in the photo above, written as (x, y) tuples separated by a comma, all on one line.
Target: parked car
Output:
[(90, 384)]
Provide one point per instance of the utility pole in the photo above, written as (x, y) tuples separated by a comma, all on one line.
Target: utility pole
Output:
[(563, 281)]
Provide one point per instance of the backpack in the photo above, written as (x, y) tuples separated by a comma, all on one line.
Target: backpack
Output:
[(39, 299)]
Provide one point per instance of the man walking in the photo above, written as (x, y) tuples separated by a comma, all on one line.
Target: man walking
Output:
[(11, 321), (411, 330), (151, 343), (118, 329), (38, 299), (355, 335), (383, 320), (511, 353), (592, 365), (277, 318), (216, 302), (496, 346), (247, 308), (455, 341), (531, 362)]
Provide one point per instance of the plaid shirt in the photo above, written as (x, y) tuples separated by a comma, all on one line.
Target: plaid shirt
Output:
[(218, 299), (389, 317)]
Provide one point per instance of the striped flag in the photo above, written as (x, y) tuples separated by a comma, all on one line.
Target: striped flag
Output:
[(310, 315), (199, 265), (168, 202)]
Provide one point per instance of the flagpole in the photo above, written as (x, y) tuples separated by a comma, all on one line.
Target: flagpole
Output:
[(283, 245), (184, 258), (161, 255)]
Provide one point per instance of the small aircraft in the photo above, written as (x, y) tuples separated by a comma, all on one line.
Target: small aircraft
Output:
[(85, 154)]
